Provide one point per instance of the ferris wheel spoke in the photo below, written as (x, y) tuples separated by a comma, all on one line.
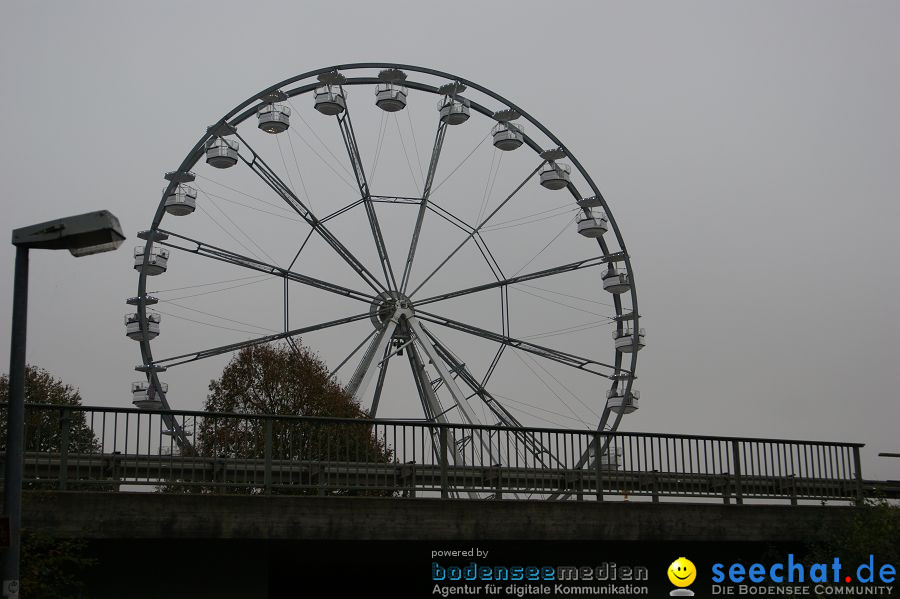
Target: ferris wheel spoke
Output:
[(259, 166), (539, 274), (504, 416), (352, 353), (232, 347), (349, 136), (216, 253), (572, 360), (478, 228), (426, 192)]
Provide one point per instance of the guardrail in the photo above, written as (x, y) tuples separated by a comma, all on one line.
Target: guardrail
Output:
[(98, 448)]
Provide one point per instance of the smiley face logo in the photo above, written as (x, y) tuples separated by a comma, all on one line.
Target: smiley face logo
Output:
[(682, 572)]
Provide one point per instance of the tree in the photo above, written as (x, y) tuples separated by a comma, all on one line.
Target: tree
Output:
[(289, 380), (55, 568), (279, 379), (51, 567), (43, 426), (872, 528)]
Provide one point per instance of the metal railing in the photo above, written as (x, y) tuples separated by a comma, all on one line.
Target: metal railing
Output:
[(98, 448)]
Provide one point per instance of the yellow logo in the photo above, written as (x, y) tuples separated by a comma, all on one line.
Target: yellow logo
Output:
[(682, 573)]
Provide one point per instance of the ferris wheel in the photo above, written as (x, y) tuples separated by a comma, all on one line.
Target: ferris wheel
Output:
[(465, 271)]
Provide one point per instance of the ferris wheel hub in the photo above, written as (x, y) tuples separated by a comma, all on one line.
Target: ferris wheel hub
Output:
[(386, 305)]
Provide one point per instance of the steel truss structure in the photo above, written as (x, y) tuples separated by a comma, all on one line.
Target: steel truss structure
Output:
[(403, 321)]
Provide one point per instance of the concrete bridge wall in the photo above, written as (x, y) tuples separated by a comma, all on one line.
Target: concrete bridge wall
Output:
[(211, 517)]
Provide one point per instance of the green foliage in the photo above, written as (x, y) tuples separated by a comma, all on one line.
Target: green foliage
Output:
[(873, 528), (285, 380), (43, 427), (276, 379), (51, 568), (54, 568)]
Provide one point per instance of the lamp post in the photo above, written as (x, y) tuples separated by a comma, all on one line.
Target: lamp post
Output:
[(82, 235)]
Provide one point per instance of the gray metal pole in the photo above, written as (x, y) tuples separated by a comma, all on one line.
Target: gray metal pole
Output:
[(15, 427)]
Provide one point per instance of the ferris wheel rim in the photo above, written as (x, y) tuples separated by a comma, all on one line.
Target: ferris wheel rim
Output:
[(247, 108)]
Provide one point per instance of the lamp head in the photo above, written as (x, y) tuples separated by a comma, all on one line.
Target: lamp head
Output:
[(82, 235)]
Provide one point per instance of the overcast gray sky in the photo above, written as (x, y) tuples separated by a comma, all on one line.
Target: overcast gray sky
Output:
[(748, 151)]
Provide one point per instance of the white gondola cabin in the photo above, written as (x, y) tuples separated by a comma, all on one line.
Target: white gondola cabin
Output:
[(508, 136), (390, 97), (133, 329), (156, 263), (611, 459), (555, 175), (330, 100), (145, 396), (593, 226), (274, 118), (182, 200), (615, 281), (625, 340), (620, 402), (221, 152), (453, 111)]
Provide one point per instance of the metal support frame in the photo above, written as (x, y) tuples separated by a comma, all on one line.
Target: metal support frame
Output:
[(228, 125), (379, 385), (504, 416), (434, 414), (359, 382)]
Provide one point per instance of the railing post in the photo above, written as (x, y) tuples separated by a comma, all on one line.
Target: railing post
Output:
[(857, 466), (598, 466), (445, 491), (408, 478), (65, 426), (111, 468), (736, 460), (654, 486), (268, 457)]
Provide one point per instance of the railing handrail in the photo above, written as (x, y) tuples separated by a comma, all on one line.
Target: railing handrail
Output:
[(426, 424)]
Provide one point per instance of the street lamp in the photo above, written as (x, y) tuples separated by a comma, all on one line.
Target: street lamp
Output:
[(82, 235)]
